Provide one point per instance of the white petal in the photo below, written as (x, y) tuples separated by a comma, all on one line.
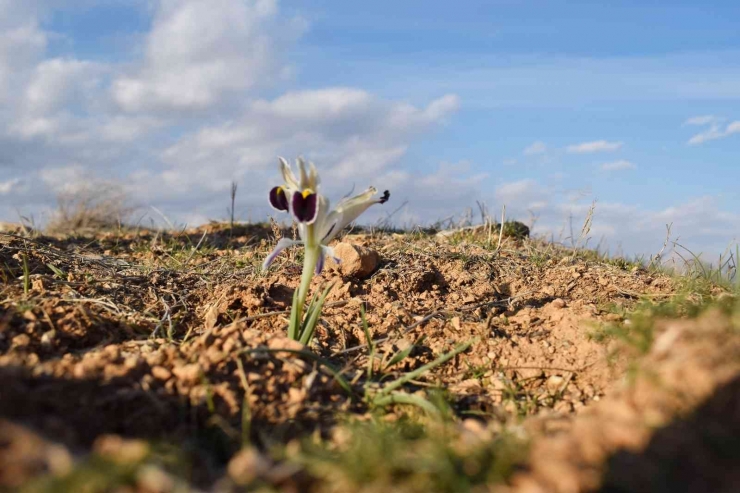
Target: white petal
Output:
[(320, 263), (319, 224), (330, 227), (302, 231), (281, 245), (313, 176), (329, 252), (351, 208), (304, 177), (288, 176)]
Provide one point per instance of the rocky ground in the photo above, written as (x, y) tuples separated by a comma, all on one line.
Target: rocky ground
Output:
[(150, 361)]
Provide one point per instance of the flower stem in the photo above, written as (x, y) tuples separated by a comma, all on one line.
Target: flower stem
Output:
[(310, 258)]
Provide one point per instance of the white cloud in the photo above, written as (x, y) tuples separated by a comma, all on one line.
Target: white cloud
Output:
[(702, 120), (56, 82), (185, 116), (537, 147), (20, 46), (9, 185), (134, 121), (519, 196), (699, 222), (66, 178), (199, 53), (124, 128), (328, 104), (594, 146), (733, 128), (619, 165), (352, 134), (440, 108), (460, 184), (714, 132)]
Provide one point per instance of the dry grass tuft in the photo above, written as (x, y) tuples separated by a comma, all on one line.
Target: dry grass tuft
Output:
[(97, 206)]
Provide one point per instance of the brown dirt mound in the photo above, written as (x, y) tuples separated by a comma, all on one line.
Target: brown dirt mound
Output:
[(180, 339), (676, 427)]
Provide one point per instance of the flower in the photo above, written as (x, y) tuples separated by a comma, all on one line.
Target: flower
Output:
[(318, 223)]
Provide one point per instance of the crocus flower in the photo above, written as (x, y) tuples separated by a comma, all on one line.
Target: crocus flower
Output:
[(318, 223)]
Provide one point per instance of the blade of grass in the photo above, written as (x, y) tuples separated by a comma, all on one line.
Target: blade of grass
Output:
[(246, 409), (369, 339), (401, 355), (366, 329), (26, 276), (387, 389)]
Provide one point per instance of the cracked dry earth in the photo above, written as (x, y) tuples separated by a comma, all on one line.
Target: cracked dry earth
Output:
[(129, 339)]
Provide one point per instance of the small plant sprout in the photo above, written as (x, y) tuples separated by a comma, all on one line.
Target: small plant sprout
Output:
[(318, 224)]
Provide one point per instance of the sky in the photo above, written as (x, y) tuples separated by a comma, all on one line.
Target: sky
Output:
[(540, 106)]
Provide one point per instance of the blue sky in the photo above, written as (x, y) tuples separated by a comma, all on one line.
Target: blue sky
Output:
[(542, 106)]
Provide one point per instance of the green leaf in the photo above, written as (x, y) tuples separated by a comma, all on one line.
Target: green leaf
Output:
[(404, 398), (56, 270), (294, 318), (313, 319)]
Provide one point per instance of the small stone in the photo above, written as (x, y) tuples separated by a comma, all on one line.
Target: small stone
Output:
[(161, 373), (211, 318), (120, 450), (189, 374), (474, 426), (355, 260), (113, 351), (554, 383), (215, 355), (21, 340), (132, 361), (280, 342), (247, 465), (563, 407), (403, 344), (499, 384), (557, 303), (530, 373), (38, 285), (47, 339), (152, 478)]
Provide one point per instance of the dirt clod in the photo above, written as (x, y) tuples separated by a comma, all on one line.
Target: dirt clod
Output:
[(355, 261)]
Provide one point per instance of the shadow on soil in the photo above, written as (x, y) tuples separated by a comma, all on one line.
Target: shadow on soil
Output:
[(76, 411), (699, 453)]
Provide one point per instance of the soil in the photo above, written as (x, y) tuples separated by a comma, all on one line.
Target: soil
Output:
[(124, 339)]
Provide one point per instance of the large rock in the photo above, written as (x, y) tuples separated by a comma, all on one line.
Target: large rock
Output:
[(355, 260)]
